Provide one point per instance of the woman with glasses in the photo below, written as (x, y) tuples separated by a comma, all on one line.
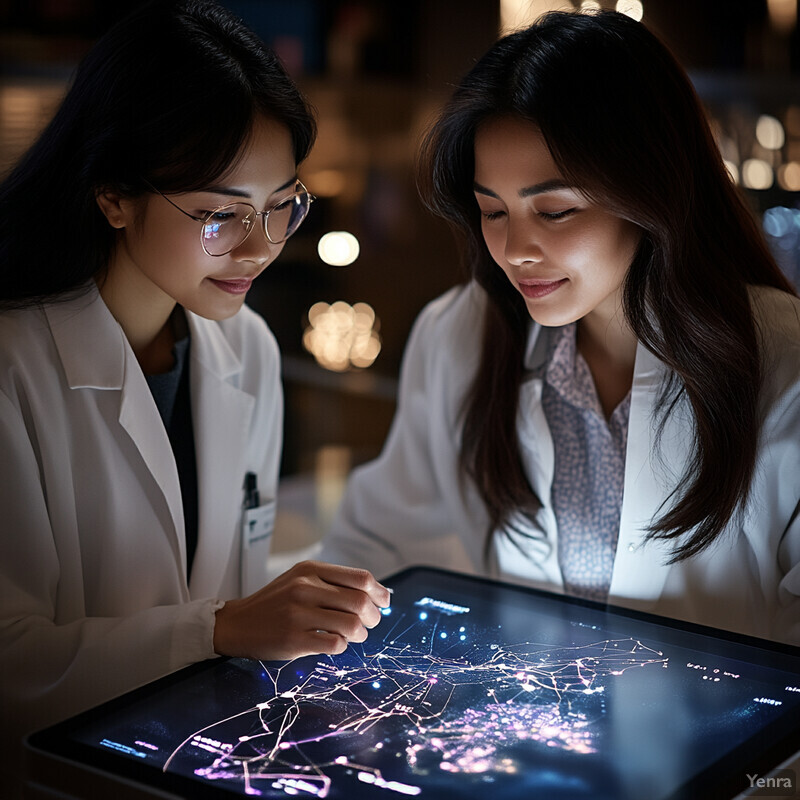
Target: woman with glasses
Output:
[(140, 399), (611, 407)]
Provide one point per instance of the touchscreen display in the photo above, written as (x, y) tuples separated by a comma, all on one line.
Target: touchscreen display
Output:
[(470, 689)]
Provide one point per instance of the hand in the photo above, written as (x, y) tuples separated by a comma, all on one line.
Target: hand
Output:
[(311, 608)]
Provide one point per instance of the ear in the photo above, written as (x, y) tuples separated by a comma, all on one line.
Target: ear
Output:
[(113, 206)]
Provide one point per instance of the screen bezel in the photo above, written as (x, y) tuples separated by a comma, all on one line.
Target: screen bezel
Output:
[(763, 752)]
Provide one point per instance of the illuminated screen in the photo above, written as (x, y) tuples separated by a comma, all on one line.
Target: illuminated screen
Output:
[(466, 689)]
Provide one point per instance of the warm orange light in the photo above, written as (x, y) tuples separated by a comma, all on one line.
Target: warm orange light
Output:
[(516, 14), (789, 176), (782, 14), (326, 182), (757, 174), (341, 336)]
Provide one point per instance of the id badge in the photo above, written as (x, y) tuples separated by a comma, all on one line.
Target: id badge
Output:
[(257, 527)]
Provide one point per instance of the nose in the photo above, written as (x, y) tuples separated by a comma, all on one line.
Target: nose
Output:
[(522, 242), (256, 248)]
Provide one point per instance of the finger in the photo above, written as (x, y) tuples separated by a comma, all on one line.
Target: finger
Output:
[(329, 643), (353, 578), (349, 601), (306, 644), (348, 626)]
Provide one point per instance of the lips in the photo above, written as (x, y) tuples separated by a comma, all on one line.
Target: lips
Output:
[(536, 288), (233, 285)]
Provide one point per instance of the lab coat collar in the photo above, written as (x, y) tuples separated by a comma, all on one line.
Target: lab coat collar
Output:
[(536, 347), (95, 354), (90, 342), (210, 349), (640, 568)]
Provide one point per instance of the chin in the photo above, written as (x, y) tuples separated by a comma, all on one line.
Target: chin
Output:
[(217, 312), (553, 320)]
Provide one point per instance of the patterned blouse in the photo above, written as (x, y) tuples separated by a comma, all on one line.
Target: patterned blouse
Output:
[(589, 468)]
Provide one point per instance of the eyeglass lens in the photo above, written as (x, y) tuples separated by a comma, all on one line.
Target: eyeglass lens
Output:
[(230, 225)]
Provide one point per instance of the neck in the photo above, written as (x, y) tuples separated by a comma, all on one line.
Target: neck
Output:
[(143, 312), (608, 346)]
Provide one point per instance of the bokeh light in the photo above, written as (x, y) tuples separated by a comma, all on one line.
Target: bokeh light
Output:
[(757, 174), (338, 248), (631, 8), (341, 336), (770, 133), (789, 176), (327, 182)]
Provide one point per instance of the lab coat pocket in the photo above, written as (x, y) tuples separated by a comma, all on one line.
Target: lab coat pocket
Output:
[(257, 527)]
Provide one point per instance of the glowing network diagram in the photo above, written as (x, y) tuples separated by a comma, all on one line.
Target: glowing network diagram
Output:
[(435, 697)]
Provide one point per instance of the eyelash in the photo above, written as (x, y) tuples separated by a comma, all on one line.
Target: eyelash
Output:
[(492, 215), (557, 214)]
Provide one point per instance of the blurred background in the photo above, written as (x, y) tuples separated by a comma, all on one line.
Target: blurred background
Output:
[(344, 294)]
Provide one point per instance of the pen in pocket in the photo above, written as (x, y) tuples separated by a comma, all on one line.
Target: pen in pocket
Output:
[(251, 499)]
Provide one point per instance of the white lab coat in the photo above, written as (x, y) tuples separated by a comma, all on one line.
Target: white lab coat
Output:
[(413, 506), (93, 592)]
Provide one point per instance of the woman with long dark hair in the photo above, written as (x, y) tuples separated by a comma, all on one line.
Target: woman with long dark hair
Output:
[(610, 407), (140, 399)]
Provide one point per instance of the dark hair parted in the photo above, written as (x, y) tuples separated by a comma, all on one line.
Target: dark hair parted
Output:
[(622, 122), (167, 97)]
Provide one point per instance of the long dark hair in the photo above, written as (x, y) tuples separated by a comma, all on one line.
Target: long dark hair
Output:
[(167, 97), (622, 121)]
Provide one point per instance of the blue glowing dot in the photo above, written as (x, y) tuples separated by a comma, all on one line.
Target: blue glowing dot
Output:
[(386, 611), (462, 637), (376, 684), (461, 629), (423, 615), (443, 635)]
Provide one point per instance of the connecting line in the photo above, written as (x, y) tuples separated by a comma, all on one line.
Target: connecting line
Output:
[(404, 677), (197, 733)]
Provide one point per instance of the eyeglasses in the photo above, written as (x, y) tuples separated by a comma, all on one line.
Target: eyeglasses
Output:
[(226, 227)]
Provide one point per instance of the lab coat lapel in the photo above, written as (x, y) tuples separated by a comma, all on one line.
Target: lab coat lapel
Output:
[(535, 439), (221, 414), (651, 470), (96, 355), (538, 460)]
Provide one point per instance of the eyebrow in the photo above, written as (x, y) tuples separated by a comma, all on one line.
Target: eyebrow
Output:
[(230, 191), (528, 191)]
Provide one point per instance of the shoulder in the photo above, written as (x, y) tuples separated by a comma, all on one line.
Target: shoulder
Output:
[(449, 328), (25, 339), (455, 311), (443, 351), (30, 320)]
